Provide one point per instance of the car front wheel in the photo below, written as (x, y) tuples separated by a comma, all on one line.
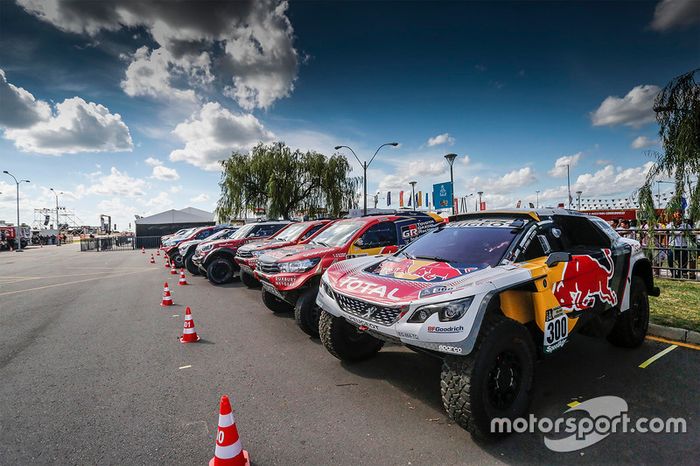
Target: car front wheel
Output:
[(191, 266), (495, 381), (346, 342), (307, 313), (220, 271), (274, 303), (249, 280)]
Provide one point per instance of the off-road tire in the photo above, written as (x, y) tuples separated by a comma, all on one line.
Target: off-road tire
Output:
[(220, 271), (344, 341), (189, 265), (274, 303), (632, 325), (177, 259), (249, 280), (467, 382), (307, 313)]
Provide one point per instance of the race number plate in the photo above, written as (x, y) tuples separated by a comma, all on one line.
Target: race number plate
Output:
[(271, 289), (556, 329)]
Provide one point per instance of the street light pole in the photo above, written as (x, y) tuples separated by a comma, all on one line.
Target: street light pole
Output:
[(451, 160), (58, 224), (17, 237), (413, 194), (364, 166), (537, 201), (480, 193)]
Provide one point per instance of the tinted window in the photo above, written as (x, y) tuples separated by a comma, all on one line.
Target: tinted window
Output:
[(580, 233), (291, 232), (204, 234), (312, 231), (379, 235), (464, 247), (266, 230)]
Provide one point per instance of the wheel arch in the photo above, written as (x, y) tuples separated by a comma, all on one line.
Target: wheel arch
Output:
[(643, 269)]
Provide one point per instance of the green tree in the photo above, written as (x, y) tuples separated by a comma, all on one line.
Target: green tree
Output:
[(677, 110), (284, 182)]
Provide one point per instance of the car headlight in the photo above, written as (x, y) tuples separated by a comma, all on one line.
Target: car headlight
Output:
[(447, 312), (298, 266), (257, 253), (207, 247), (327, 289)]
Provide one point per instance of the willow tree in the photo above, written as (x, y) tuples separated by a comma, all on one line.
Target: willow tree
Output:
[(284, 182), (677, 110)]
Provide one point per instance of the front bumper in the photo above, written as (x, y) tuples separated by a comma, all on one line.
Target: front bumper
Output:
[(456, 337)]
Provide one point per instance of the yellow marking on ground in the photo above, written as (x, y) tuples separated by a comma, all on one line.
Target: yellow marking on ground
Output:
[(185, 367), (68, 283), (673, 342), (573, 404), (658, 355)]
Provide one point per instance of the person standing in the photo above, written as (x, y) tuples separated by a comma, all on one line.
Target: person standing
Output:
[(678, 246)]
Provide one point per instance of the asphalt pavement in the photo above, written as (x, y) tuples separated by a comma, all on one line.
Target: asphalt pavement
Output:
[(92, 372)]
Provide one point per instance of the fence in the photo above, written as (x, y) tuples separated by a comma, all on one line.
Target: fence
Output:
[(673, 252), (119, 243)]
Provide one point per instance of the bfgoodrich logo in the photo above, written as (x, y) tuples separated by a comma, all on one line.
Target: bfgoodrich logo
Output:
[(453, 329)]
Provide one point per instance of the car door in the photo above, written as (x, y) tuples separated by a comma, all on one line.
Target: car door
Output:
[(380, 238)]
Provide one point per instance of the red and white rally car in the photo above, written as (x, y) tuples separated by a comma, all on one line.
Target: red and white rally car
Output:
[(290, 276), (486, 293), (247, 255)]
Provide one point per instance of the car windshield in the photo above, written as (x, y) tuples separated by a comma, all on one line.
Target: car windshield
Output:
[(462, 246), (337, 234), (243, 231), (220, 234), (184, 234), (292, 232)]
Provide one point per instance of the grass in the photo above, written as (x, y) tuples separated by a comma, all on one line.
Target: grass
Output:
[(678, 305)]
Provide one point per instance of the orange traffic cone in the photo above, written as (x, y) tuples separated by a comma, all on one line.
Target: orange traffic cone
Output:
[(167, 262), (183, 279), (189, 334), (173, 270), (153, 259), (229, 451), (143, 249), (157, 252), (167, 299)]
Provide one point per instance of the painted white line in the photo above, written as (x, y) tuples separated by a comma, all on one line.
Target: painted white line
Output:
[(185, 367)]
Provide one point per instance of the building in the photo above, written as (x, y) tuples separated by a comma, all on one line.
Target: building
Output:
[(173, 220)]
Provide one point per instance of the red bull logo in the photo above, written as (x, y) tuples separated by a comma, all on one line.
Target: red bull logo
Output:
[(585, 280), (410, 269)]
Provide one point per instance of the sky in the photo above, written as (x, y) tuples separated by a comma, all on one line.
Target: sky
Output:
[(127, 107)]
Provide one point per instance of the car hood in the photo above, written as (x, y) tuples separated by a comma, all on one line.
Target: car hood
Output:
[(297, 252), (396, 281), (227, 243), (264, 245)]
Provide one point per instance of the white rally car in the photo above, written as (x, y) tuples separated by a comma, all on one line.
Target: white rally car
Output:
[(487, 293)]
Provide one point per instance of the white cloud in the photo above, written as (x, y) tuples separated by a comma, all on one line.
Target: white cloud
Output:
[(635, 109), (19, 108), (200, 198), (512, 180), (163, 173), (411, 171), (153, 162), (560, 164), (160, 202), (252, 42), (670, 14), (118, 184), (443, 138), (642, 142), (75, 126), (612, 180), (213, 132)]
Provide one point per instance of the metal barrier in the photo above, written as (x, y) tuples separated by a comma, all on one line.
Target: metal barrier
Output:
[(673, 252), (119, 243)]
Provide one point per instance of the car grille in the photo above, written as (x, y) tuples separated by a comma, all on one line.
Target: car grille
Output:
[(268, 267), (245, 254), (381, 315)]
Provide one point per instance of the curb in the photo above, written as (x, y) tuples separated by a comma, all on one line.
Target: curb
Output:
[(673, 333)]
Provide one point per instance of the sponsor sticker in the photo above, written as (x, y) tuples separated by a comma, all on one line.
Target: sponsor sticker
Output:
[(361, 322), (450, 349), (407, 335), (271, 289), (450, 329)]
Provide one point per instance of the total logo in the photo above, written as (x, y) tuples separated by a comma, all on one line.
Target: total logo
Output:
[(452, 329), (366, 288)]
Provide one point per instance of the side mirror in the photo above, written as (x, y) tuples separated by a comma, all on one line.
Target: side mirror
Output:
[(557, 257), (360, 243)]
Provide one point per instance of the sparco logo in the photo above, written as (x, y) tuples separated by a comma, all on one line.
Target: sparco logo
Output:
[(434, 329)]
